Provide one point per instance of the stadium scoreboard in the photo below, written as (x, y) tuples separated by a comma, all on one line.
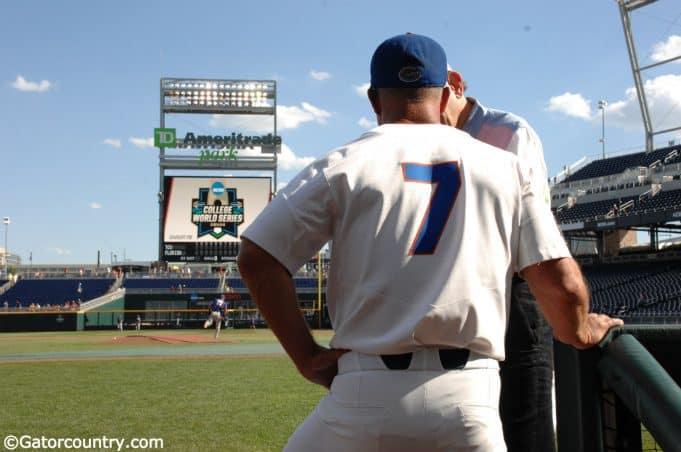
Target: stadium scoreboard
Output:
[(204, 216)]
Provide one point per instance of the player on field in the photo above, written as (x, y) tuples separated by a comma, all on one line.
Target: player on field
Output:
[(216, 311), (527, 372), (428, 227)]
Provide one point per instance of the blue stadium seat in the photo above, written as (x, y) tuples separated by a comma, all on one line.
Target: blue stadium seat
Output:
[(56, 291), (171, 283), (650, 289), (616, 165)]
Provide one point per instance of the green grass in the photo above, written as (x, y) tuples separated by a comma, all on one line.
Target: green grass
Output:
[(224, 403), (20, 343), (203, 404), (648, 442)]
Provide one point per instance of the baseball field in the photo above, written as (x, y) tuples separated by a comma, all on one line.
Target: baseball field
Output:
[(239, 393)]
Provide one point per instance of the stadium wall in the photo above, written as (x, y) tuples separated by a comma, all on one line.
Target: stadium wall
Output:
[(103, 316), (39, 321)]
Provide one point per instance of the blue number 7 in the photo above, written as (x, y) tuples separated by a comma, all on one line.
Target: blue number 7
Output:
[(447, 182)]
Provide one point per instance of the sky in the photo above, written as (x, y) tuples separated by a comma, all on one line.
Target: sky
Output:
[(79, 92)]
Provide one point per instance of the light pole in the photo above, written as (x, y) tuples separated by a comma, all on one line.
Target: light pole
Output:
[(601, 105), (6, 222)]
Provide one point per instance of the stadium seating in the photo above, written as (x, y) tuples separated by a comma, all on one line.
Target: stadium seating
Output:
[(651, 289), (662, 201), (616, 165), (588, 211), (55, 291), (301, 283), (584, 211), (171, 283)]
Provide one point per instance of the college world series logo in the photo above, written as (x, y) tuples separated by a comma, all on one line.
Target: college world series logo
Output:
[(217, 211)]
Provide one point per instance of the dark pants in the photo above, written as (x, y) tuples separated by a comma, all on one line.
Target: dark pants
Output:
[(526, 376)]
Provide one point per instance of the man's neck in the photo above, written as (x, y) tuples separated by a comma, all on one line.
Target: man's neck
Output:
[(411, 114), (465, 113)]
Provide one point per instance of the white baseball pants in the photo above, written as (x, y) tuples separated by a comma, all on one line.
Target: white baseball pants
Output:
[(424, 408)]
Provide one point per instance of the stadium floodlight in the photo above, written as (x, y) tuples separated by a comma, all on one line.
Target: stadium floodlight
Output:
[(215, 97), (185, 95), (601, 105)]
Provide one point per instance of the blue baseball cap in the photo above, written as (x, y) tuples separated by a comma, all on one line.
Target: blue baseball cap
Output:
[(409, 61)]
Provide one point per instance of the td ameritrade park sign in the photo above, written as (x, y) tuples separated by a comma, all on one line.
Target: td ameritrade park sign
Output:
[(167, 138)]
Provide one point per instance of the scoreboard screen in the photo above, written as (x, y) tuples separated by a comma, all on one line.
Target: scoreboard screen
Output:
[(204, 216)]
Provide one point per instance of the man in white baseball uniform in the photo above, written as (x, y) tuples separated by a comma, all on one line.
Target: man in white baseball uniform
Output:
[(216, 309), (527, 372), (428, 227)]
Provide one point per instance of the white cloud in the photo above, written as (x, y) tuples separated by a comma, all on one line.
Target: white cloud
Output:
[(142, 142), (24, 85), (113, 142), (319, 75), (60, 251), (668, 49), (288, 117), (95, 205), (366, 123), (287, 160), (570, 104), (292, 117), (361, 90), (663, 94)]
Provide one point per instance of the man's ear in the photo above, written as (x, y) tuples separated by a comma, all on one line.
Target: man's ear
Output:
[(455, 81), (374, 98), (444, 99)]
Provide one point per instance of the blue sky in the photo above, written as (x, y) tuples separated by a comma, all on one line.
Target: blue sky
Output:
[(79, 92)]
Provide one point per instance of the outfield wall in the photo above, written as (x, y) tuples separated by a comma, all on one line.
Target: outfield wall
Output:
[(39, 321), (103, 316)]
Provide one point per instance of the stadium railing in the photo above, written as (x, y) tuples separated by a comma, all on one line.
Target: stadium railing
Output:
[(619, 396)]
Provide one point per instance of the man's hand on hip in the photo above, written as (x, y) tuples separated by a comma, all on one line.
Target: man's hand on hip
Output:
[(322, 366)]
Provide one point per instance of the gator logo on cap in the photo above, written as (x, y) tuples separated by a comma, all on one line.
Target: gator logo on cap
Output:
[(409, 74)]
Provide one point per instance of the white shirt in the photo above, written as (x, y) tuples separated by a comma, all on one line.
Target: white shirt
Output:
[(511, 133), (413, 263)]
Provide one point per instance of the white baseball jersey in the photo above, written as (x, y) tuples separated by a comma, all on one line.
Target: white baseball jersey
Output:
[(428, 226)]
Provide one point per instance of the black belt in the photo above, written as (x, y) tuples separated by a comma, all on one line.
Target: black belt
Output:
[(450, 358)]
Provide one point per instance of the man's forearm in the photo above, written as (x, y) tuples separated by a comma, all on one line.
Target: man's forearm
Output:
[(273, 291), (563, 297)]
